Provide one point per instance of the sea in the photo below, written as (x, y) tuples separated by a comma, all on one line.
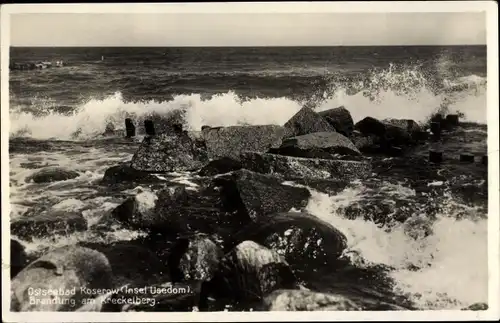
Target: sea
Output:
[(57, 117)]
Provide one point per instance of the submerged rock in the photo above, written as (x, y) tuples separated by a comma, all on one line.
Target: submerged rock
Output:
[(325, 145), (256, 194), (220, 166), (124, 173), (18, 257), (73, 270), (165, 153), (52, 174), (231, 141), (340, 118), (304, 300), (306, 121), (250, 272), (303, 239), (293, 167), (47, 224)]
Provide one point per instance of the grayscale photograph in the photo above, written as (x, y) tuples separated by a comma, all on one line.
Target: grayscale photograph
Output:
[(247, 162)]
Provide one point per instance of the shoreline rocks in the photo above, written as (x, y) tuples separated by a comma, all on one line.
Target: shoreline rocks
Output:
[(306, 121), (340, 118), (51, 174)]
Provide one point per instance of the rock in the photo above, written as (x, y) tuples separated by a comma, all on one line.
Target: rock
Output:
[(324, 145), (294, 167), (123, 173), (328, 186), (306, 121), (304, 300), (303, 239), (48, 224), (476, 307), (164, 153), (256, 194), (220, 166), (250, 272), (201, 259), (231, 141), (390, 132), (110, 130), (71, 270), (167, 123), (407, 124), (131, 263), (135, 211), (18, 257), (340, 118), (52, 174)]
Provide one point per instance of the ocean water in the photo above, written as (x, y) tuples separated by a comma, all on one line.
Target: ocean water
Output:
[(57, 116)]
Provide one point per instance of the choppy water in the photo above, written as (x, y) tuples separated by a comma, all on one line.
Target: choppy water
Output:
[(57, 115)]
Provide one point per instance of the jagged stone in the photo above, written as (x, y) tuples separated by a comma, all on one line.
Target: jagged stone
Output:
[(340, 118), (306, 121)]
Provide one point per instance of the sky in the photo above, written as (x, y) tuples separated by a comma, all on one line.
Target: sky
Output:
[(247, 29)]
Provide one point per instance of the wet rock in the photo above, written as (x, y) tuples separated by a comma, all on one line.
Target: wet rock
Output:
[(18, 257), (250, 272), (328, 186), (303, 239), (293, 167), (304, 300), (340, 118), (476, 307), (255, 194), (231, 141), (220, 166), (123, 173), (135, 211), (324, 145), (165, 153), (167, 123), (306, 121), (47, 224), (52, 174), (72, 270), (388, 133), (131, 263), (201, 259)]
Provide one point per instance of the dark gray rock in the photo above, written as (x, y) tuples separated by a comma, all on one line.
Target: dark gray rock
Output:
[(167, 123), (201, 259), (123, 173), (220, 166), (340, 118), (165, 153), (231, 141), (47, 224), (52, 174), (257, 194), (390, 132), (69, 268), (306, 121), (294, 167), (303, 239), (324, 145), (18, 257), (250, 272)]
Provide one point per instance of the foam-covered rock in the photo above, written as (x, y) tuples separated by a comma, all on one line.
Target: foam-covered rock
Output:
[(293, 167), (306, 121), (324, 145), (231, 141), (250, 272), (51, 174), (340, 118), (71, 272), (166, 153), (47, 224)]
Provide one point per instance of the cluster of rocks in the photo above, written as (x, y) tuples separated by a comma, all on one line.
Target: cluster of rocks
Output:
[(239, 235)]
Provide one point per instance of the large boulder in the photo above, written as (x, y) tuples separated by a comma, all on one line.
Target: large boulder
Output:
[(123, 173), (257, 194), (303, 239), (220, 166), (250, 271), (167, 153), (52, 174), (389, 132), (69, 274), (18, 257), (47, 224), (324, 145), (231, 141), (340, 118), (306, 121), (305, 300), (294, 167)]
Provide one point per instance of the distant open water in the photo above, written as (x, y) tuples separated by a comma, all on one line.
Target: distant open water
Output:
[(65, 109)]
